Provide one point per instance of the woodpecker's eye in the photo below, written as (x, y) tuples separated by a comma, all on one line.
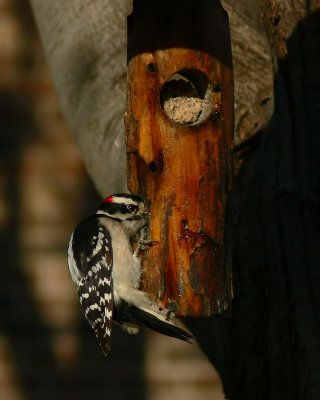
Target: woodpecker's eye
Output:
[(132, 208)]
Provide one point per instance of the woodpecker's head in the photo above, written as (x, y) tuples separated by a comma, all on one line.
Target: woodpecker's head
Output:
[(127, 209)]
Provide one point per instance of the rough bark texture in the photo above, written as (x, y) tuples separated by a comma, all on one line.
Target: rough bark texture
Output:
[(269, 348)]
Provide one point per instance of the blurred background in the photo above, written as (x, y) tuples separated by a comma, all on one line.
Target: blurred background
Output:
[(47, 350)]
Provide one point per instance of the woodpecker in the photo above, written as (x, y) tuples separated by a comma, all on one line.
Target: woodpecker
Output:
[(107, 272)]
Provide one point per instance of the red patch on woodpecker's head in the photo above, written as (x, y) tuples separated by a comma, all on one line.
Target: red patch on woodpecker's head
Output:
[(108, 199)]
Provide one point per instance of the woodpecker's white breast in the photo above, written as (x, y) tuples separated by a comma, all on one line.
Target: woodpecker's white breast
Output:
[(126, 269)]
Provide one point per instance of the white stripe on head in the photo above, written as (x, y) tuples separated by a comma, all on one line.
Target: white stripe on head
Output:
[(124, 200), (120, 216)]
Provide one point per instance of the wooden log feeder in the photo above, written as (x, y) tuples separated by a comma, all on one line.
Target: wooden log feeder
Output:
[(179, 134)]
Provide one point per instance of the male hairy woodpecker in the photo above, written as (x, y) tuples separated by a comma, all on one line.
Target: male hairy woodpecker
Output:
[(107, 273)]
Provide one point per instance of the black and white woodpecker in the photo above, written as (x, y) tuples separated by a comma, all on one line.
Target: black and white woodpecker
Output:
[(107, 272)]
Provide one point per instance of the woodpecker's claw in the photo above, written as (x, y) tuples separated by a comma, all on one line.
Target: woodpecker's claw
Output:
[(143, 242)]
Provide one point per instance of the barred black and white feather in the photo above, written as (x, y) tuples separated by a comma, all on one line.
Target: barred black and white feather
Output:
[(90, 265)]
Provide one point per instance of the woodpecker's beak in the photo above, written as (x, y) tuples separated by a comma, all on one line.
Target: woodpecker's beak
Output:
[(144, 216), (143, 212)]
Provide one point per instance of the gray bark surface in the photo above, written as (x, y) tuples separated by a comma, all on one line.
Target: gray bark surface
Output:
[(85, 44)]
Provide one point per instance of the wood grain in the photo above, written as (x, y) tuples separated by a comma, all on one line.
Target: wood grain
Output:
[(183, 172)]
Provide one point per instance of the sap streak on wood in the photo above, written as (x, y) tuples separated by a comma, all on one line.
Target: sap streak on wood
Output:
[(183, 171)]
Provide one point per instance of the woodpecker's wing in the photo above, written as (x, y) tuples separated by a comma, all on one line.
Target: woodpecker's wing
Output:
[(95, 288)]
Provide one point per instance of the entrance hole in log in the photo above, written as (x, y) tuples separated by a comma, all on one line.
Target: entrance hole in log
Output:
[(187, 97)]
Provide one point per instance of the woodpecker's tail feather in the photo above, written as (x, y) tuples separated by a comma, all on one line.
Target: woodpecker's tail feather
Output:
[(159, 321), (104, 341), (136, 308)]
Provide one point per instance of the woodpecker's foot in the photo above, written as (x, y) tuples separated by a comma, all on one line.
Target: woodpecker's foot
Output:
[(144, 243)]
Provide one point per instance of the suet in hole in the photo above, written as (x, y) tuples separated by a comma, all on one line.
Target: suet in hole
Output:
[(187, 97)]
